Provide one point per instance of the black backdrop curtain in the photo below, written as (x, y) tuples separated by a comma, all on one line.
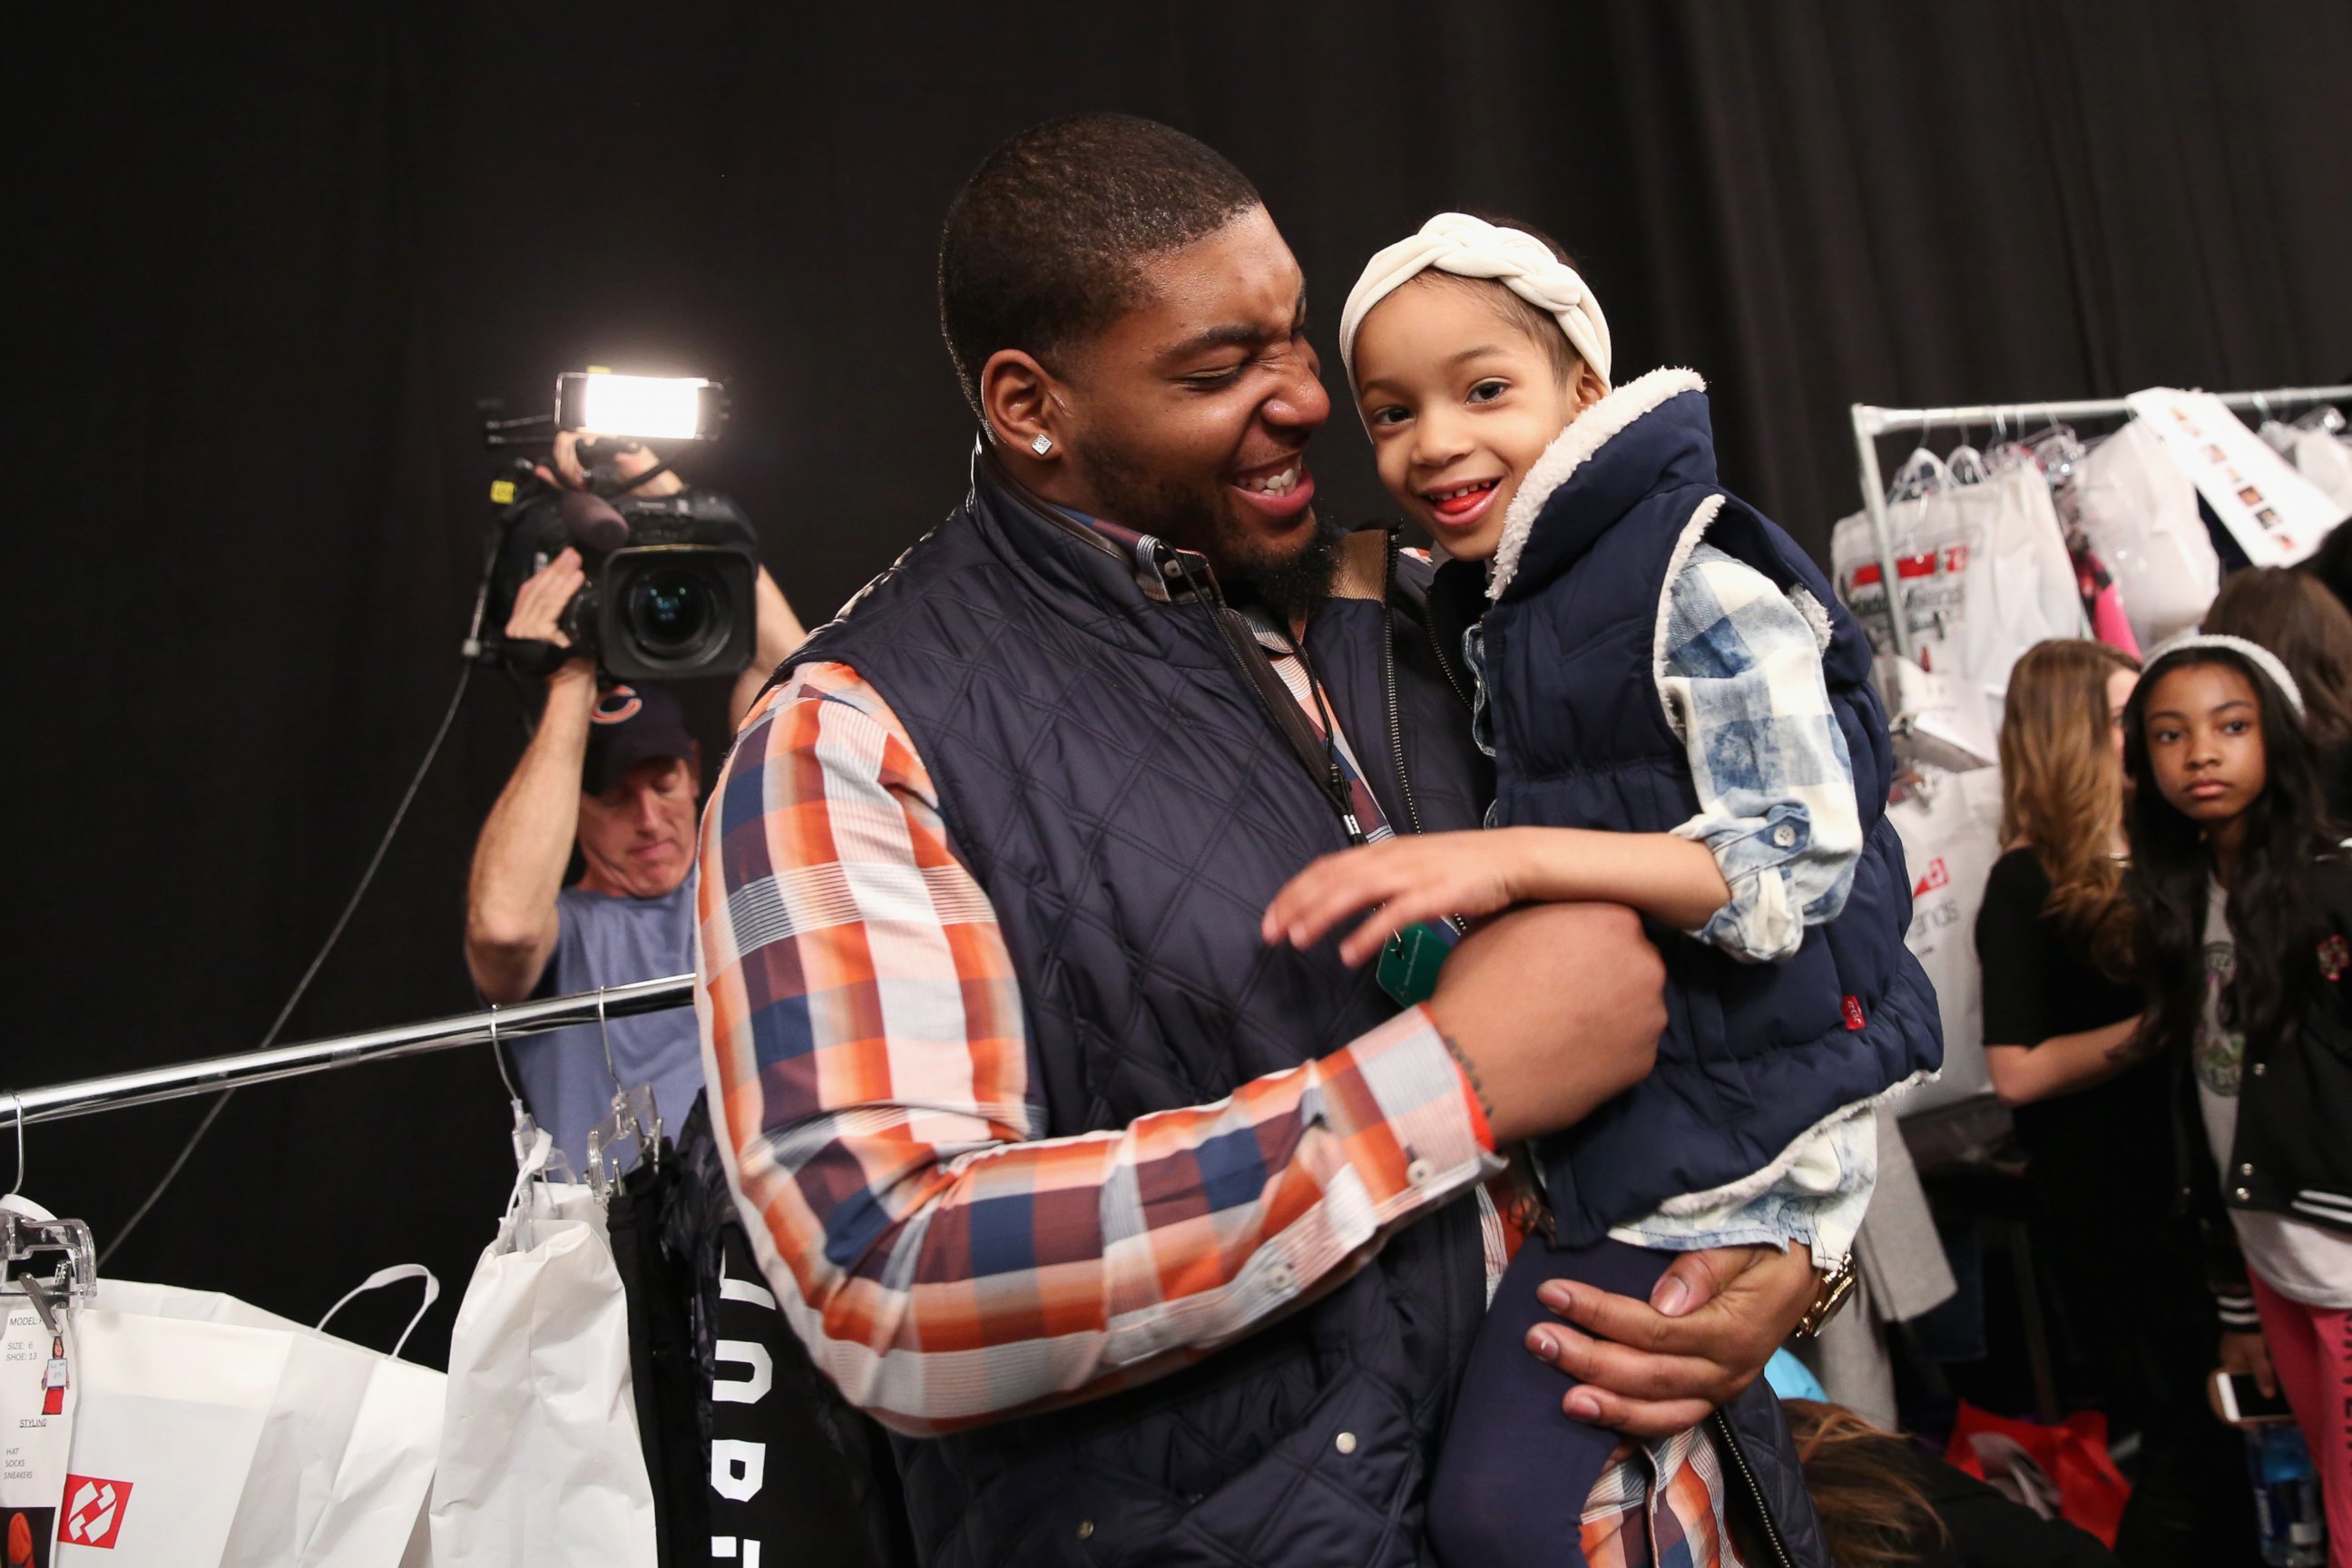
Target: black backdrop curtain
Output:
[(274, 263)]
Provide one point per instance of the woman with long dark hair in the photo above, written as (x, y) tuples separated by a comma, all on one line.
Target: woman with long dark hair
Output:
[(2061, 1016), (2244, 903), (2294, 615)]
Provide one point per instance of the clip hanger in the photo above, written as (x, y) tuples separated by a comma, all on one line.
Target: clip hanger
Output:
[(633, 1120)]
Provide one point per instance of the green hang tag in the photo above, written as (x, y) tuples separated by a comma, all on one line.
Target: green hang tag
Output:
[(1411, 960)]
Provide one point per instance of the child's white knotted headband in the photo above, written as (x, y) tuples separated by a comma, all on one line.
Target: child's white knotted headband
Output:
[(1468, 247)]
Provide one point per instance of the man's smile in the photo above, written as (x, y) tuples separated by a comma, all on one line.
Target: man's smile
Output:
[(1279, 490)]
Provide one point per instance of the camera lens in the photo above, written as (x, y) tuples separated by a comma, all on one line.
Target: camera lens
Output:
[(672, 612)]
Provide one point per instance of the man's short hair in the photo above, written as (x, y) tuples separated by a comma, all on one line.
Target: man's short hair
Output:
[(1044, 246)]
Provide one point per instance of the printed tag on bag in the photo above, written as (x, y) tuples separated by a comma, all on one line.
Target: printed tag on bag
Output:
[(36, 1412), (2276, 515)]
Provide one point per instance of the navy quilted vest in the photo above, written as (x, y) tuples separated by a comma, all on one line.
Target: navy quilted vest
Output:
[(1753, 1054), (1112, 777)]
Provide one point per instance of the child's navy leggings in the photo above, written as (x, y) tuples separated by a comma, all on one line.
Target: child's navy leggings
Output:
[(1515, 1469)]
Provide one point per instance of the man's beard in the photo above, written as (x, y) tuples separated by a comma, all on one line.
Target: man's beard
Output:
[(1198, 517)]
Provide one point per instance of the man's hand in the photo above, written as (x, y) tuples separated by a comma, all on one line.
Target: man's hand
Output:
[(2244, 1355), (1558, 1007), (538, 614), (1401, 880), (629, 461), (1712, 1322)]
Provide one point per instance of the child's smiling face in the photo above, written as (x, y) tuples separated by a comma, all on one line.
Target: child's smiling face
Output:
[(1459, 401)]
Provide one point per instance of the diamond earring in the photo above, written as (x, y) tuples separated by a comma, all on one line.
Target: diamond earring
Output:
[(1042, 445)]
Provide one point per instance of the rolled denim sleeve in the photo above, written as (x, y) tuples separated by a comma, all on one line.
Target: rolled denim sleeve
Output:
[(1741, 675), (1814, 1195)]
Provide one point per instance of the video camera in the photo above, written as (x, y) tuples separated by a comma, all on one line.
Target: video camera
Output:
[(670, 589)]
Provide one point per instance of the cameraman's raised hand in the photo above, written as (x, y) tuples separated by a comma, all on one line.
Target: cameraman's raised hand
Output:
[(629, 461), (539, 604)]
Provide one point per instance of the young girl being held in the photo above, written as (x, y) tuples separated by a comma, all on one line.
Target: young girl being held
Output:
[(2245, 901), (1682, 721)]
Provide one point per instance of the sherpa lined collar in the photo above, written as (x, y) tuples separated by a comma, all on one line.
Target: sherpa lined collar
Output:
[(1568, 452)]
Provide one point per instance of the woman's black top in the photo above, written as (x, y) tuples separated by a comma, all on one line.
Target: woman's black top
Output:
[(2099, 1153)]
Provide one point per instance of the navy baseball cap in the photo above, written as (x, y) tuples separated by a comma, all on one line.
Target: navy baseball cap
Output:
[(628, 725)]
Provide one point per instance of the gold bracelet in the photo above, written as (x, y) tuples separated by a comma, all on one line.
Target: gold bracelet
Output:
[(1477, 1090)]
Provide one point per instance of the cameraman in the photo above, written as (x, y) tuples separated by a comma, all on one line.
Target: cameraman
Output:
[(612, 770)]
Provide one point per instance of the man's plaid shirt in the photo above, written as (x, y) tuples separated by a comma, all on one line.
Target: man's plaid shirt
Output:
[(945, 1262)]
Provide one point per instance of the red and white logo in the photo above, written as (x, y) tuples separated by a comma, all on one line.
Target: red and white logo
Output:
[(1936, 876), (617, 705), (93, 1511), (1854, 1018)]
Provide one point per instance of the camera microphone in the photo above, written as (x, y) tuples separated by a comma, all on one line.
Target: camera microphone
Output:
[(595, 526)]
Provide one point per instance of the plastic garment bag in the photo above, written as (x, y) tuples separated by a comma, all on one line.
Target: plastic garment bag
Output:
[(2326, 461), (2139, 510), (1983, 568)]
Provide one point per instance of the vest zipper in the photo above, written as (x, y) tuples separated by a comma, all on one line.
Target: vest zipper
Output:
[(1730, 1444), (1437, 646), (1389, 682)]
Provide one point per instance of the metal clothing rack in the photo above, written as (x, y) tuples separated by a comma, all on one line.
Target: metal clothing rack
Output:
[(147, 1086), (1871, 421)]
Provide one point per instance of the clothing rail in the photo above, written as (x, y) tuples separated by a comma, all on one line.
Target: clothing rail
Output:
[(150, 1085), (1871, 421)]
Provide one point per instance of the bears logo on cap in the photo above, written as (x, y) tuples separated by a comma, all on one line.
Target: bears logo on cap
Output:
[(617, 705)]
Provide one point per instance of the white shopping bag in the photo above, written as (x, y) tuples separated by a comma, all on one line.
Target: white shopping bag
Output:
[(1951, 830), (172, 1415), (541, 1460), (335, 1475), (2138, 509)]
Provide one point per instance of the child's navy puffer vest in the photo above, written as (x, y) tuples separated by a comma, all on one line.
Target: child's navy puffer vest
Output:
[(1753, 1054)]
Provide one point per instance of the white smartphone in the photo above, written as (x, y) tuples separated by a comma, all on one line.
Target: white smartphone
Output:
[(2242, 1399)]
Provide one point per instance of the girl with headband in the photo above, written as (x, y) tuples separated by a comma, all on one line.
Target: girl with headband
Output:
[(1682, 721), (2243, 899)]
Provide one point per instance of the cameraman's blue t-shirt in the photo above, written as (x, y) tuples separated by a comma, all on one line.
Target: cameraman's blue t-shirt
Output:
[(608, 940)]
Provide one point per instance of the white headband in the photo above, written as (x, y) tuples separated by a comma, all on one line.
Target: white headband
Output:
[(1472, 248), (2254, 654)]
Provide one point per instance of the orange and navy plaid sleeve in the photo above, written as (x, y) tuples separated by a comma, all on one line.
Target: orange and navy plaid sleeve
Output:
[(869, 1068)]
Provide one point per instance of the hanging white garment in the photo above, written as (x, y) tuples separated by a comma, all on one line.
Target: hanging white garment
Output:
[(541, 1460), (2139, 511), (1951, 836), (1984, 575), (2326, 462)]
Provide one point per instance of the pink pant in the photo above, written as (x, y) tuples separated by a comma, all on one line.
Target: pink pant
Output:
[(2311, 1349)]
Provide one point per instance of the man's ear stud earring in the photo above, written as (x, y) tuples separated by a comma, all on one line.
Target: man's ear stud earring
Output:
[(1042, 445)]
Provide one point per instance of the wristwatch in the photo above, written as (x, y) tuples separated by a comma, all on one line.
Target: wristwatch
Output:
[(1836, 1286)]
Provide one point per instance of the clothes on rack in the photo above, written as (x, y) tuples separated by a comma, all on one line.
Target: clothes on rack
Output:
[(657, 1291), (2274, 514), (1982, 567), (207, 1431), (792, 1469), (2139, 510), (1950, 825), (540, 1459), (2326, 460)]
